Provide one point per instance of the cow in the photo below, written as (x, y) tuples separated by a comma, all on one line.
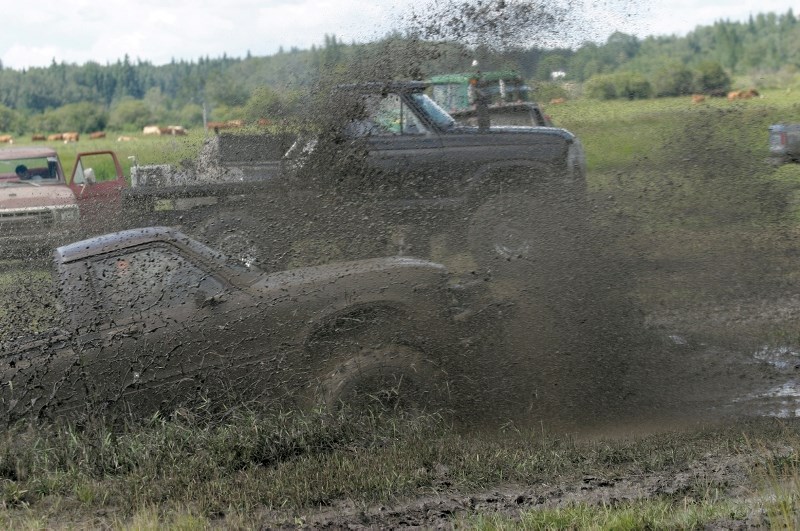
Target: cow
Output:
[(151, 130), (70, 136), (558, 101), (56, 136), (228, 124), (6, 139), (177, 130), (749, 93), (37, 138), (743, 94), (698, 98), (124, 139), (97, 134), (216, 126)]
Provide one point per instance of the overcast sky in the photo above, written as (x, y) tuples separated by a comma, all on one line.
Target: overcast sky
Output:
[(76, 31)]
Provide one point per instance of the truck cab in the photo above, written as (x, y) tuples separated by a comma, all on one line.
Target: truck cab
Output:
[(40, 207)]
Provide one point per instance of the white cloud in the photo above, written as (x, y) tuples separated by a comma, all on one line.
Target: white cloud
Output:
[(160, 30)]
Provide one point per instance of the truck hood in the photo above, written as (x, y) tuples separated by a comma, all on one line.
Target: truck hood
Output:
[(397, 268), (35, 196), (515, 129)]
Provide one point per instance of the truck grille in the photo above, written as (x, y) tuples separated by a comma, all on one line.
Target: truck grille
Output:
[(28, 221)]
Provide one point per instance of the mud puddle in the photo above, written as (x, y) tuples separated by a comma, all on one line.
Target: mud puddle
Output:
[(782, 399), (732, 360)]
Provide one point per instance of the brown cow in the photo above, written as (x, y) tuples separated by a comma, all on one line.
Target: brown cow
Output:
[(177, 130), (749, 93), (558, 101), (698, 98), (70, 136), (742, 94), (36, 138), (97, 134), (6, 139), (56, 136)]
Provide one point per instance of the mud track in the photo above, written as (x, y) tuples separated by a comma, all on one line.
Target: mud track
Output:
[(719, 373)]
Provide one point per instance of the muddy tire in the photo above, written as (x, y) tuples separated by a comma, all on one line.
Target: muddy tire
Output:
[(519, 233), (245, 241), (390, 378), (376, 358)]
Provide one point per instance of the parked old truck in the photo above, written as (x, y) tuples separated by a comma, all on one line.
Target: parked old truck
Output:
[(389, 172), (504, 93), (784, 143), (41, 208), (154, 320)]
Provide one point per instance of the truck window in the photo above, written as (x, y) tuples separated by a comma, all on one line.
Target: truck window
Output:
[(26, 171), (95, 168), (433, 111), (147, 280), (386, 115)]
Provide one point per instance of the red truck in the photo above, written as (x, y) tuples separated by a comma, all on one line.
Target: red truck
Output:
[(40, 208)]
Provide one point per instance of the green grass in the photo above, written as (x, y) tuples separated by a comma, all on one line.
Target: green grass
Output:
[(195, 470), (619, 516), (619, 133)]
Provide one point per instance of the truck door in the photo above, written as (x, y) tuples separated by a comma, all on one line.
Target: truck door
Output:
[(403, 152), (97, 181), (153, 343)]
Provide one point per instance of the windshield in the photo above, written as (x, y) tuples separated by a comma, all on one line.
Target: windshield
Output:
[(29, 171), (435, 114)]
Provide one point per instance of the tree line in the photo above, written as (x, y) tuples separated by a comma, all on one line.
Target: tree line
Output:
[(126, 95)]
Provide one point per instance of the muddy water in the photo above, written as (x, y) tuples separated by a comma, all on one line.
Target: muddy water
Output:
[(721, 361)]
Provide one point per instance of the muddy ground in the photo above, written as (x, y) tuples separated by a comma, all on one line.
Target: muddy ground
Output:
[(727, 365)]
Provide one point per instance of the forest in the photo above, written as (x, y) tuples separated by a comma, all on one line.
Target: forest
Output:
[(762, 52)]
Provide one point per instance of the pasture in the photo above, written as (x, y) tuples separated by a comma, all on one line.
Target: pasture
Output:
[(687, 195)]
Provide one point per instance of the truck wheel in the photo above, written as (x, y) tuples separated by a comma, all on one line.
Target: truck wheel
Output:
[(515, 231), (233, 236), (377, 357), (390, 378)]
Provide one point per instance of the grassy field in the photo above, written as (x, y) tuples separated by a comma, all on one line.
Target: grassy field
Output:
[(698, 218), (141, 149), (290, 470)]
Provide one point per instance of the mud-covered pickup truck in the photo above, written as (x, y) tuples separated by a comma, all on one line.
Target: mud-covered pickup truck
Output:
[(389, 172), (155, 320), (784, 143)]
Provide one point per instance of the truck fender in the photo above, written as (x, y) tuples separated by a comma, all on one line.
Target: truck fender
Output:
[(507, 175)]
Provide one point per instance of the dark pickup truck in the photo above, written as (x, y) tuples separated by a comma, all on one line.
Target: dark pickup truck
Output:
[(156, 320), (388, 173)]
